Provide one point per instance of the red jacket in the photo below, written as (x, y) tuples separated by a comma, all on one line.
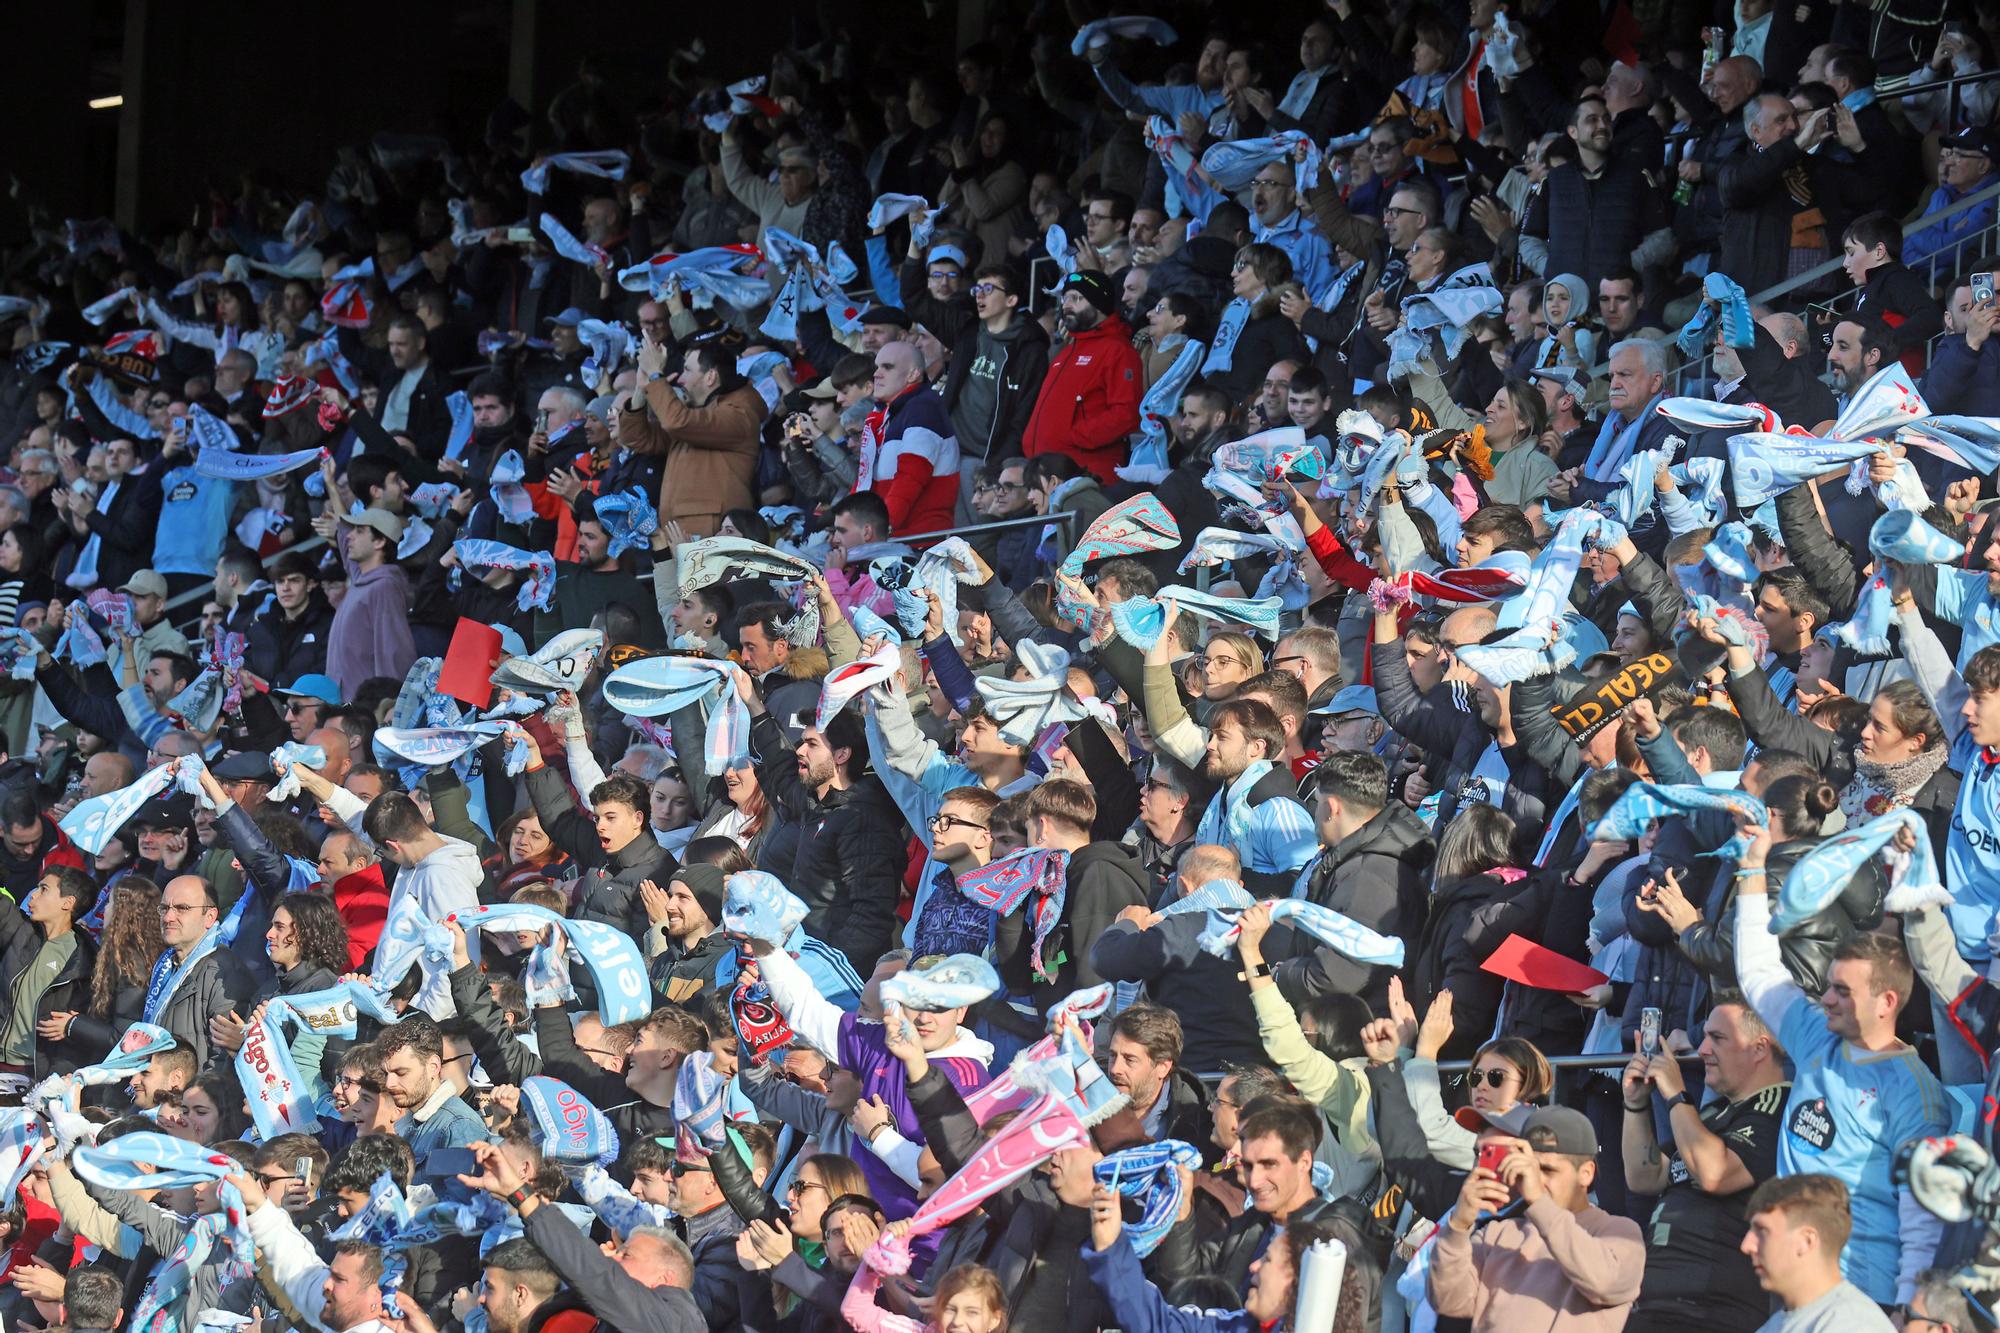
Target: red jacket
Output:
[(1090, 400), (363, 903)]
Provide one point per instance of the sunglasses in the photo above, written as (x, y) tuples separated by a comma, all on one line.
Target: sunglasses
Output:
[(1490, 1078), (689, 1168)]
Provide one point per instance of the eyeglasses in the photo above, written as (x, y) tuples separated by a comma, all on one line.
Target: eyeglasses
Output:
[(1490, 1078), (1212, 663), (799, 1187), (1277, 662), (1394, 211), (944, 823), (986, 288), (178, 909), (1378, 149), (1155, 784), (944, 275), (1239, 266), (1266, 182)]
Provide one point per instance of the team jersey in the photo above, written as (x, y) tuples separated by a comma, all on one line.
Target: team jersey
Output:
[(1848, 1114), (1972, 849)]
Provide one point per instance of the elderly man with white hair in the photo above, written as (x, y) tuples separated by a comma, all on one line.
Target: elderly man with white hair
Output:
[(1631, 427)]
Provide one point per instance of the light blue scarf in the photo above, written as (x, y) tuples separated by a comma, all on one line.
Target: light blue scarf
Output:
[(283, 1099), (1148, 1173), (1822, 874), (1643, 802), (1222, 352), (1336, 930)]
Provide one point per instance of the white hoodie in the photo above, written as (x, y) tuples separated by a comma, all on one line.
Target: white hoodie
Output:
[(444, 882)]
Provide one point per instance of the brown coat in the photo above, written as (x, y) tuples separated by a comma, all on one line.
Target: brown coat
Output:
[(711, 452)]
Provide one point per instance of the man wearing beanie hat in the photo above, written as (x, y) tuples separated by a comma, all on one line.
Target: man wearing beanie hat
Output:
[(683, 942), (1090, 399)]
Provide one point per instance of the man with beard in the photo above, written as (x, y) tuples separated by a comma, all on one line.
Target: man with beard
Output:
[(1256, 809), (1198, 428), (847, 861), (1592, 214), (162, 1078), (1089, 400), (1859, 348), (496, 427), (434, 1115)]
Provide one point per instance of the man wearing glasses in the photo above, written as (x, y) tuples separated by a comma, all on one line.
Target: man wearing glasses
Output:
[(1275, 220)]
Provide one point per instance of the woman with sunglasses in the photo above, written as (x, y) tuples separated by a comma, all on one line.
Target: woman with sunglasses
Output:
[(790, 1241)]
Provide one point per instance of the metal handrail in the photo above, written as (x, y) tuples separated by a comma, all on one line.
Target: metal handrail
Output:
[(1066, 517), (200, 592), (1819, 271)]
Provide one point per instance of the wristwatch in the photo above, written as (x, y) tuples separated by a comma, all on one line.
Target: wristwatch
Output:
[(1678, 1099), (1255, 970)]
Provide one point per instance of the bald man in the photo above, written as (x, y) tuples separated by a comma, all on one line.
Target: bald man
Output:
[(339, 758), (916, 468), (198, 978)]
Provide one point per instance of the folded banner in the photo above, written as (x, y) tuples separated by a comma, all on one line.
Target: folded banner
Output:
[(1972, 443), (1822, 874), (562, 663), (1898, 536), (1232, 163), (229, 465), (1535, 646), (940, 569), (1044, 1129), (567, 1127), (623, 991), (1141, 620), (1336, 930), (1764, 465), (656, 686), (1633, 813), (1595, 707), (757, 905), (1148, 1173), (436, 747), (92, 822), (1886, 400), (628, 517), (282, 1098), (710, 560), (699, 1094), (287, 757), (154, 1161), (843, 683), (1130, 527), (1061, 1058), (1100, 32)]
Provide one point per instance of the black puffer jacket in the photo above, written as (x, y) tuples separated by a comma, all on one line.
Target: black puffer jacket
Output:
[(1710, 943), (1376, 876), (847, 862), (608, 889), (1444, 959)]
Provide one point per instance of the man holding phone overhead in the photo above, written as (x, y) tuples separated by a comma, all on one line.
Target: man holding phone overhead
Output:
[(1557, 1251), (1696, 1274)]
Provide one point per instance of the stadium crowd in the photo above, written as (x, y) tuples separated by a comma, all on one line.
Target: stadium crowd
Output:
[(1042, 695)]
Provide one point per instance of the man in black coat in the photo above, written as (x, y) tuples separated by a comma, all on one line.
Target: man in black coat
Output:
[(1374, 871), (613, 843), (198, 978), (847, 862), (289, 640), (413, 389)]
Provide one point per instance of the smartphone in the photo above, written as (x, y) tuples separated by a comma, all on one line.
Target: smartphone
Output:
[(449, 1162), (181, 423), (1649, 1032), (520, 236), (1982, 289), (1490, 1156), (302, 1167)]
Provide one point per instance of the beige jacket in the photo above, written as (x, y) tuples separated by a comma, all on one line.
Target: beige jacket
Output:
[(1546, 1271)]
